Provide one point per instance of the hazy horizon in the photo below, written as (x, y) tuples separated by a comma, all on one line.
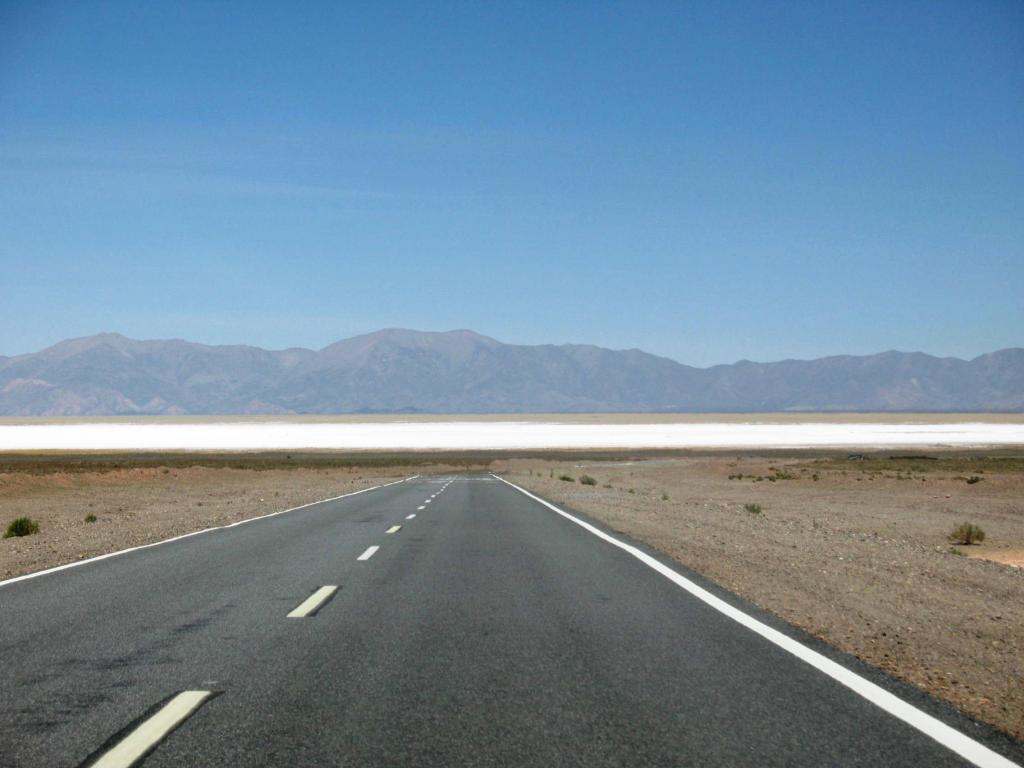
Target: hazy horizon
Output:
[(503, 341), (405, 371)]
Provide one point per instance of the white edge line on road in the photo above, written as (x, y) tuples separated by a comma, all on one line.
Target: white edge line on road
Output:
[(77, 563), (150, 732), (313, 602), (370, 552), (947, 736)]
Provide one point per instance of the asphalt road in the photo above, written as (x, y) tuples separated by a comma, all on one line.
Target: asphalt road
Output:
[(488, 630)]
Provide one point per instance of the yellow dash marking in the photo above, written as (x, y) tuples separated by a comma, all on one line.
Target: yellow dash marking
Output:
[(312, 602), (136, 744), (394, 529)]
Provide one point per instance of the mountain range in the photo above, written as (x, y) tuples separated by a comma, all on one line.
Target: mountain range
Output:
[(404, 371)]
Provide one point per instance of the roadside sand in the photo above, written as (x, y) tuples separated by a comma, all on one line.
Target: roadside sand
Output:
[(141, 505), (858, 557)]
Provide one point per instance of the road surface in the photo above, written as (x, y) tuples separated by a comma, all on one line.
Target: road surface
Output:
[(440, 621)]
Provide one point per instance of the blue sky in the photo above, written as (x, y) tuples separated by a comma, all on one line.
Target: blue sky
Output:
[(708, 181)]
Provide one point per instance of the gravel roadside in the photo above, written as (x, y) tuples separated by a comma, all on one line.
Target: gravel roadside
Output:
[(855, 553), (136, 506)]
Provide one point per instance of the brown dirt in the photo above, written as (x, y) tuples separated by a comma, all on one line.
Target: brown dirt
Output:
[(858, 557), (139, 505), (1013, 557)]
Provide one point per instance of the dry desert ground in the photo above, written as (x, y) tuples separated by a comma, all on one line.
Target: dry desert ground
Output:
[(853, 551)]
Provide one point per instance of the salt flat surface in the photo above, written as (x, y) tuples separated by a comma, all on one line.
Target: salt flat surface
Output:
[(483, 435)]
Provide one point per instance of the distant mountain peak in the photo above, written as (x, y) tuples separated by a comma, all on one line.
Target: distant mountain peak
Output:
[(400, 370), (412, 337), (456, 343)]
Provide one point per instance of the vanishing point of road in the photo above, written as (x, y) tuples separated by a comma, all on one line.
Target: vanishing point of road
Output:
[(436, 621)]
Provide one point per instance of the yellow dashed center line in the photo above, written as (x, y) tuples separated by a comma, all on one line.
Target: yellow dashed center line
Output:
[(312, 602), (139, 742)]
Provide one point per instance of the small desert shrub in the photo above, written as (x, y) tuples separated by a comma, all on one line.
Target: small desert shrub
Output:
[(587, 480), (967, 533), (23, 526), (90, 518), (754, 509), (972, 479), (664, 497), (632, 490), (567, 478)]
